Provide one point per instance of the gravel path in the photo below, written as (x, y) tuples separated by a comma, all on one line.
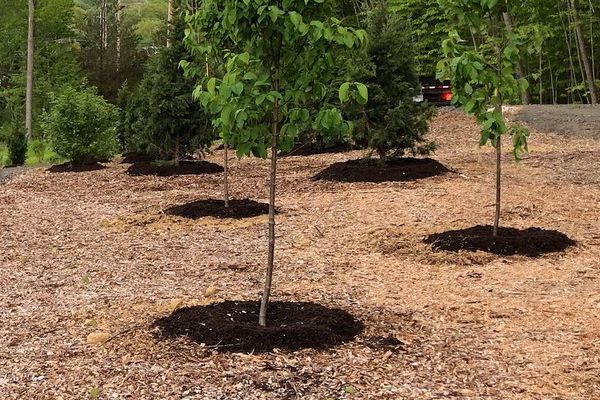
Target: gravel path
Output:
[(580, 120), (8, 173)]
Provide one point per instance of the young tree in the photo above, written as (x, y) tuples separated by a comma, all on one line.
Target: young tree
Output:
[(279, 64), (483, 77)]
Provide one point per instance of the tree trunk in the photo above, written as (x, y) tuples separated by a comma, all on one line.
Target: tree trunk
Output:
[(262, 317), (498, 179), (526, 95), (29, 90), (584, 55), (170, 12), (119, 9), (226, 178), (176, 153)]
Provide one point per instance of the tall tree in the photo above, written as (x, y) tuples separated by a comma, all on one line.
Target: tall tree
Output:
[(29, 90), (585, 59)]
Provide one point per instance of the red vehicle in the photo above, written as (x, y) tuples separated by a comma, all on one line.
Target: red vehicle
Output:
[(435, 92)]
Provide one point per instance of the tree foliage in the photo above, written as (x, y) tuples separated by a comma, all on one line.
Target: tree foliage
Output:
[(81, 126)]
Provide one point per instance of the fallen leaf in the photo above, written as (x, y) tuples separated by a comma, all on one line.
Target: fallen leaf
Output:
[(98, 337)]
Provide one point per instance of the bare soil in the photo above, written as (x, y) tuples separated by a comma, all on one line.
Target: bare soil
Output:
[(531, 242), (231, 326), (68, 167), (185, 167), (238, 208), (89, 261), (372, 170)]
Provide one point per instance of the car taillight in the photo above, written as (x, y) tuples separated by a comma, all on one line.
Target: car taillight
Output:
[(447, 96)]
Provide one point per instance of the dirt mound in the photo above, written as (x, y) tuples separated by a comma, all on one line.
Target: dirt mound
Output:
[(238, 209), (67, 167), (184, 168), (369, 170), (232, 326), (531, 242)]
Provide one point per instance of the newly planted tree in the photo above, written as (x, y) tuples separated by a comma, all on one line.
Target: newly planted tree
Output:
[(483, 75), (277, 62)]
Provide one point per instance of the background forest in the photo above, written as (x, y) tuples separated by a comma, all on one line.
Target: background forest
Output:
[(115, 46)]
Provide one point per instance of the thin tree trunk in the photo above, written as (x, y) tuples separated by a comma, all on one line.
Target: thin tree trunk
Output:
[(584, 55), (177, 150), (498, 179), (119, 9), (226, 179), (170, 12), (541, 79), (262, 316), (572, 73), (29, 90), (526, 95)]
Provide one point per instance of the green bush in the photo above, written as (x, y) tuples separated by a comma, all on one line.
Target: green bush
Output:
[(391, 123), (17, 145), (39, 148), (81, 126)]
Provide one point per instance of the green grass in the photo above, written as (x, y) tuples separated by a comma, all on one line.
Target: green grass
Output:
[(50, 157)]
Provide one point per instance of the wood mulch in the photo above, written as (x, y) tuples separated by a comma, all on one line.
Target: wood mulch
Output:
[(90, 261)]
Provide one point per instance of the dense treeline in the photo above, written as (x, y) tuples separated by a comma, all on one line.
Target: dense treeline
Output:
[(118, 47), (557, 74)]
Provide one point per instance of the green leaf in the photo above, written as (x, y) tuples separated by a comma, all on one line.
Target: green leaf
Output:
[(363, 93), (344, 92)]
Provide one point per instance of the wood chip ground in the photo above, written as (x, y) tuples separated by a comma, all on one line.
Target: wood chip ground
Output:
[(93, 253)]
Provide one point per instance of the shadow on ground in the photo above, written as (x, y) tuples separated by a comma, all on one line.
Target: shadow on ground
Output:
[(370, 170), (184, 168), (232, 326), (531, 242), (238, 209), (67, 167), (310, 149)]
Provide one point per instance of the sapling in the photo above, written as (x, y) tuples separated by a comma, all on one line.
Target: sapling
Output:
[(277, 58), (483, 73)]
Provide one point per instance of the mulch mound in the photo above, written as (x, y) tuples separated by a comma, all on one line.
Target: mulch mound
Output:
[(232, 326), (370, 170), (68, 167), (184, 168), (531, 242), (238, 209)]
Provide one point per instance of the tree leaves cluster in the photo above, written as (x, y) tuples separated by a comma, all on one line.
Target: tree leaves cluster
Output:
[(81, 126)]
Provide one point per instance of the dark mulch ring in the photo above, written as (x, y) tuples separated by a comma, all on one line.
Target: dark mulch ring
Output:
[(184, 168), (370, 170), (238, 209), (531, 242), (68, 167), (232, 326)]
